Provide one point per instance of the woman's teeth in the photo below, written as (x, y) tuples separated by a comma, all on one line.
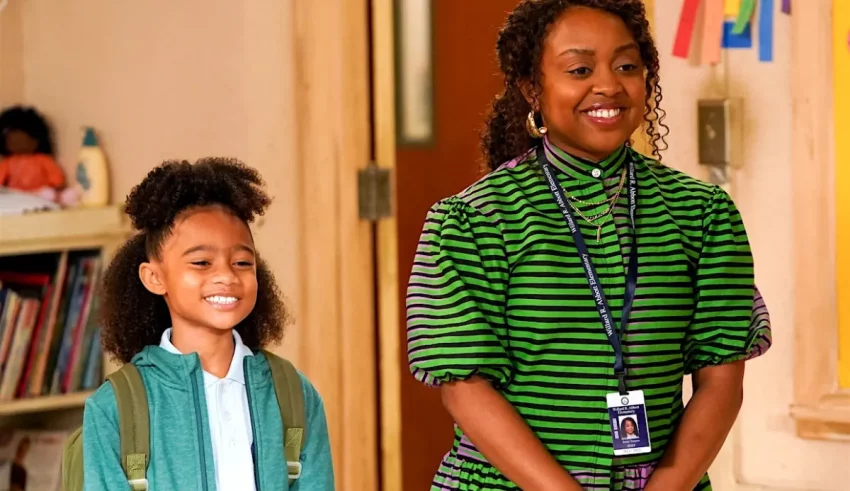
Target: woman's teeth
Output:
[(603, 113)]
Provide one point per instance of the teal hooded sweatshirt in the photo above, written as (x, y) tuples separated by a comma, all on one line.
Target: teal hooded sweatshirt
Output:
[(181, 455)]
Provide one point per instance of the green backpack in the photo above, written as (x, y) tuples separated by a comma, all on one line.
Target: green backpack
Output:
[(134, 426)]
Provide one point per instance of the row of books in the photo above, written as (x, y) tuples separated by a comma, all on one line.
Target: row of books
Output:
[(49, 334)]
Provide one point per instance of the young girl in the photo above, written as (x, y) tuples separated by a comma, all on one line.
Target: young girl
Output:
[(189, 302), (578, 282)]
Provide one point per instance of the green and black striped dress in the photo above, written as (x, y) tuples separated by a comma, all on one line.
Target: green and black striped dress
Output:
[(497, 290)]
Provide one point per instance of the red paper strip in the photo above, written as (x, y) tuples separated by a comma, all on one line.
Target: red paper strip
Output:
[(685, 31)]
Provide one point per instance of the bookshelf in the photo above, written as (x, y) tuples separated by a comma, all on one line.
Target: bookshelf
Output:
[(94, 232), (45, 404)]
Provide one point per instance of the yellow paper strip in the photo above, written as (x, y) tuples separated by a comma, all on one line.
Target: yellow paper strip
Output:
[(731, 7), (841, 112)]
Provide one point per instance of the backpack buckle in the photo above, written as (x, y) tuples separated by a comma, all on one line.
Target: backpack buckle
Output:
[(294, 469), (138, 484)]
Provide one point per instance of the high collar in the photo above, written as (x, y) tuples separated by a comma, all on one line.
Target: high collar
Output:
[(584, 169), (236, 372)]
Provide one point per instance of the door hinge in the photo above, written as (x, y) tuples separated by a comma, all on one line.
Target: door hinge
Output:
[(373, 192)]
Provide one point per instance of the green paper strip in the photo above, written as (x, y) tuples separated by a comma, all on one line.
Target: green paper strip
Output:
[(744, 16)]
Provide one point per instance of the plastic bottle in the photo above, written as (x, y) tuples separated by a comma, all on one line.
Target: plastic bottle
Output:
[(92, 172)]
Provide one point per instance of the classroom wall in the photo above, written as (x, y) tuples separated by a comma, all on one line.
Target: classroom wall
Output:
[(192, 78), (181, 80), (763, 453), (173, 80), (11, 54)]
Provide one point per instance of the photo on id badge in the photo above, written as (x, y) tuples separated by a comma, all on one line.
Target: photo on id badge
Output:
[(629, 429)]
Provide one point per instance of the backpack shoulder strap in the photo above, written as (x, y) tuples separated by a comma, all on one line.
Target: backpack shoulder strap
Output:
[(72, 462), (290, 399), (133, 424)]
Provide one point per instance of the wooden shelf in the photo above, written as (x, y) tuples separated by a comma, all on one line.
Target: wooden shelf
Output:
[(98, 228), (44, 404), (73, 228)]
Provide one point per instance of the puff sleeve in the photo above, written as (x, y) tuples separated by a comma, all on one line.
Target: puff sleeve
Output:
[(456, 298), (730, 321)]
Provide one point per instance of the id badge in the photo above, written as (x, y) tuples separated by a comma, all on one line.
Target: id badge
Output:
[(629, 429)]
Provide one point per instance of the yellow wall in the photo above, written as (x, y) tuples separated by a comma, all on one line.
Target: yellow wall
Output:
[(841, 55)]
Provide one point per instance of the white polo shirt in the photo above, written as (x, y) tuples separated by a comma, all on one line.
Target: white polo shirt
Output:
[(230, 420)]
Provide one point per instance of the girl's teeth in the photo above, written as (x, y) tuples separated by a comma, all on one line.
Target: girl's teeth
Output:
[(604, 113), (221, 300)]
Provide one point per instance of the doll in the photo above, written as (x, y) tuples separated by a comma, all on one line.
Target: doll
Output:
[(26, 150)]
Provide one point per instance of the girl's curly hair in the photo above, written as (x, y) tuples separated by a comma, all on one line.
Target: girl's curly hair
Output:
[(131, 316), (519, 48)]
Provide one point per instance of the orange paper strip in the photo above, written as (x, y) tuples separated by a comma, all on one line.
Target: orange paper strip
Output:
[(712, 32)]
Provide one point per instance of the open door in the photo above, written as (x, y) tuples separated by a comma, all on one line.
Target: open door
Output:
[(444, 51)]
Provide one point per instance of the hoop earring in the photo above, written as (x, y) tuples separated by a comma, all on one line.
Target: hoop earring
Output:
[(533, 129)]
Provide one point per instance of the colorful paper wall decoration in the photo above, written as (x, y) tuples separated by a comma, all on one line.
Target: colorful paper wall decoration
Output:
[(736, 41), (745, 14), (728, 24), (731, 7), (712, 32), (687, 22), (766, 30)]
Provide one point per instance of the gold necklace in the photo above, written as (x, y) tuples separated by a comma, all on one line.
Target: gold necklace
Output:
[(604, 214), (598, 216), (597, 203)]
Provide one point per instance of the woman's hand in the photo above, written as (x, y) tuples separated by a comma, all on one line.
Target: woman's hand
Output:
[(711, 412), (502, 436)]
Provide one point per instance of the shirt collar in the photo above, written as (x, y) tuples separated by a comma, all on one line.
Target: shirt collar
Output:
[(236, 372), (584, 169)]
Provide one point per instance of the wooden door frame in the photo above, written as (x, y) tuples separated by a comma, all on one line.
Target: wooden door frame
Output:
[(335, 314), (821, 407), (384, 101)]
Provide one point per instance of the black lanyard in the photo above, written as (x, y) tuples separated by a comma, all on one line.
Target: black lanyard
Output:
[(608, 323)]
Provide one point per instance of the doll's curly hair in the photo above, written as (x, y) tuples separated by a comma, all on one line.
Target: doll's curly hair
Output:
[(31, 122), (131, 316), (519, 50)]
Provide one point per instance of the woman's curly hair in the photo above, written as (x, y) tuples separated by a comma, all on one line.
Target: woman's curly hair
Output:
[(519, 48), (131, 316)]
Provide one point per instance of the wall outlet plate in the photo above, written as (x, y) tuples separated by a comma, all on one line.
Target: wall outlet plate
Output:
[(719, 127)]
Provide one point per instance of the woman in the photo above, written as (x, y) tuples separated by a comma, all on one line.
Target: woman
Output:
[(628, 429), (505, 309)]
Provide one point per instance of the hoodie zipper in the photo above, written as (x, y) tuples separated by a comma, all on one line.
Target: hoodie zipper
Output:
[(199, 422), (255, 445)]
